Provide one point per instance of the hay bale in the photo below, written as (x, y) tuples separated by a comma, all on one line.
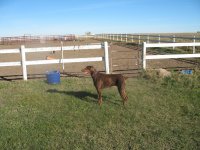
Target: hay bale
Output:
[(162, 73)]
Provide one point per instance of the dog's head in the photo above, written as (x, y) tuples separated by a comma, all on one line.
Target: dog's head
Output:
[(88, 70)]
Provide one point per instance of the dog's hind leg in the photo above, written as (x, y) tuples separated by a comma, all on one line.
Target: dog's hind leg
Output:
[(122, 92), (124, 96)]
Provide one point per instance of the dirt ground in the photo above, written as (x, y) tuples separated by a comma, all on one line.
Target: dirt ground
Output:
[(124, 58)]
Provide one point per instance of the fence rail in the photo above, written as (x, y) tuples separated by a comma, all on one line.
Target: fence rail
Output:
[(149, 45), (24, 63), (40, 38), (139, 38)]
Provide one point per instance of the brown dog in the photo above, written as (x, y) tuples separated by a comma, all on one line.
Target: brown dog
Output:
[(106, 80)]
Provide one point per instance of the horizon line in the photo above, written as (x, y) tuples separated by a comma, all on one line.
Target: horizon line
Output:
[(136, 33)]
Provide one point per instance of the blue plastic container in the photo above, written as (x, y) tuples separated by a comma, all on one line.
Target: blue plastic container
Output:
[(53, 77), (186, 71)]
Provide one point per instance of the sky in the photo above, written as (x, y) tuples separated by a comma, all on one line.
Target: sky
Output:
[(50, 17)]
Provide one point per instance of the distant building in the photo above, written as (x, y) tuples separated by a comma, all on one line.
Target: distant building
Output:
[(88, 33)]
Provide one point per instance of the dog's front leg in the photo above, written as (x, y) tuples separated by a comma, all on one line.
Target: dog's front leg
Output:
[(99, 97)]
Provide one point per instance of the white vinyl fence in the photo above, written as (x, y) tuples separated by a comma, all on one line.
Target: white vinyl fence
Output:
[(149, 38), (148, 57), (25, 63)]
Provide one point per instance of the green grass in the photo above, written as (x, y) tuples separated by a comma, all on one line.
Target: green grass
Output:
[(162, 114)]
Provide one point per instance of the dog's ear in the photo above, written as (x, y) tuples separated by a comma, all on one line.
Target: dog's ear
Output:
[(91, 68)]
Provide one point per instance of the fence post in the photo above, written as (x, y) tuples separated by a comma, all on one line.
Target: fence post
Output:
[(144, 56), (148, 39), (63, 65), (174, 40), (121, 37), (106, 57), (194, 46), (132, 39), (159, 38), (126, 38), (24, 69), (139, 38)]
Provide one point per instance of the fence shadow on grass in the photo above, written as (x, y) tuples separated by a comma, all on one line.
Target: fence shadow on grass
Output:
[(83, 95)]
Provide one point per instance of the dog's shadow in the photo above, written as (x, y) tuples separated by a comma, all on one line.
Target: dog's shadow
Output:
[(81, 95), (78, 94)]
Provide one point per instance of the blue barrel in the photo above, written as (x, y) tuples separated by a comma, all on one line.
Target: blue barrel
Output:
[(53, 77), (186, 71)]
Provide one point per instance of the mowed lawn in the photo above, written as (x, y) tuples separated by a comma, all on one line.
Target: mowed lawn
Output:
[(159, 115)]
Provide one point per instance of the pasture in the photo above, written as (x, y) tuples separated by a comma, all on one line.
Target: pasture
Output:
[(160, 114), (124, 58)]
